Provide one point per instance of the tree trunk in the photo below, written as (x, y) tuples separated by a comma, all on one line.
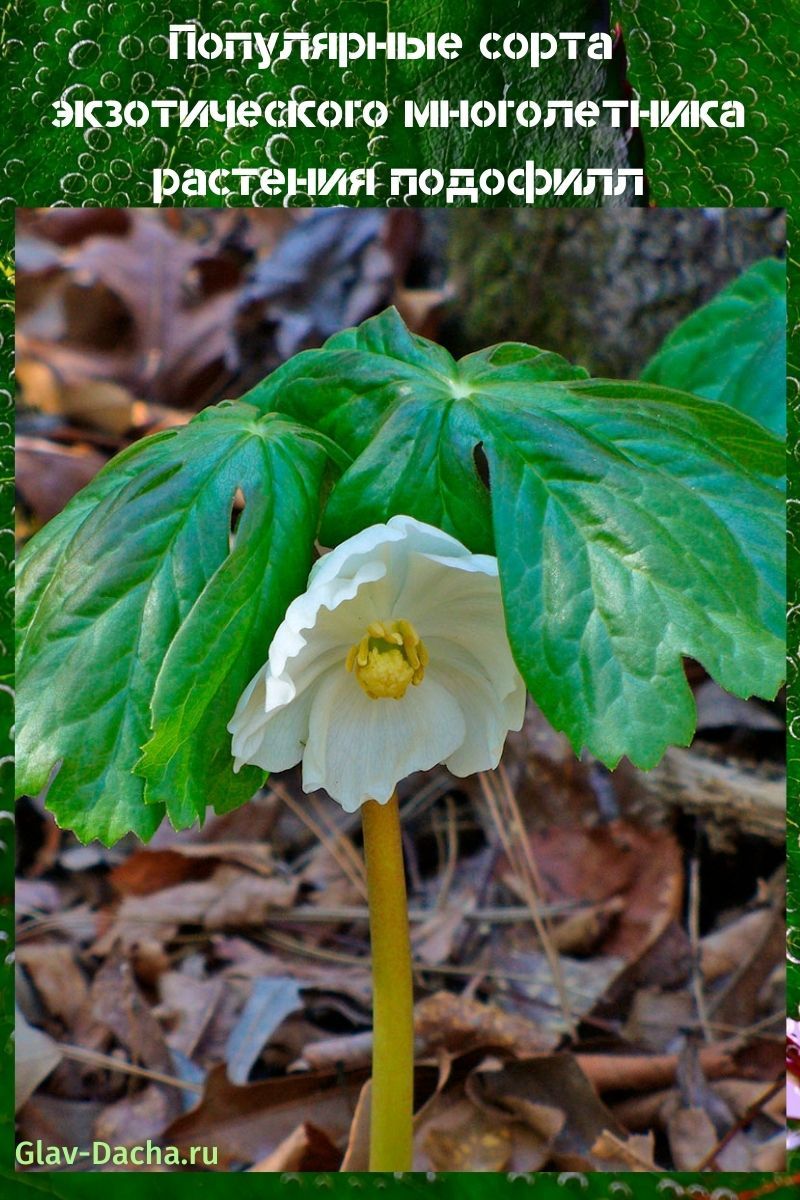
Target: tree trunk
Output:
[(601, 287)]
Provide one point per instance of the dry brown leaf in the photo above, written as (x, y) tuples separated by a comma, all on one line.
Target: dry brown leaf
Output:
[(35, 1055), (33, 896), (307, 1148), (93, 402), (57, 977), (742, 1094), (432, 942), (741, 1005), (349, 1051), (459, 1024), (443, 1024), (691, 1137), (533, 1090), (65, 226), (454, 1132), (117, 1003), (186, 1007), (134, 1119), (245, 899), (646, 1111), (533, 990), (332, 888), (643, 866), (421, 308), (231, 896), (356, 1154), (150, 961), (460, 1137), (725, 949), (772, 1155), (178, 296), (249, 1123), (247, 961), (48, 474), (625, 1153), (157, 914), (144, 307), (147, 871), (655, 1015), (57, 1122), (581, 932)]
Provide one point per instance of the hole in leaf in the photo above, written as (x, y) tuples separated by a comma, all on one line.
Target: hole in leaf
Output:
[(237, 508), (481, 465)]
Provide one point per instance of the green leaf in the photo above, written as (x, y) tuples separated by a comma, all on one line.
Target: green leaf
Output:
[(40, 559), (226, 636), (632, 523), (380, 379), (142, 618), (734, 348)]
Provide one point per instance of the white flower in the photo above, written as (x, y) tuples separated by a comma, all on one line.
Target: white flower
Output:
[(395, 659)]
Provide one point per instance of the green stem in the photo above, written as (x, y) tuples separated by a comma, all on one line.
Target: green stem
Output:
[(392, 991)]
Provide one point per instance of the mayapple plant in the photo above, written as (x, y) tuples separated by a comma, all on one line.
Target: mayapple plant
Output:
[(500, 524)]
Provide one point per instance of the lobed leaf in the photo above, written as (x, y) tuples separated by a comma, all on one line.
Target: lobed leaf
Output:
[(734, 348), (632, 523), (142, 618)]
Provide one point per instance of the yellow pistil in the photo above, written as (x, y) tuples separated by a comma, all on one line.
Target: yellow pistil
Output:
[(389, 657)]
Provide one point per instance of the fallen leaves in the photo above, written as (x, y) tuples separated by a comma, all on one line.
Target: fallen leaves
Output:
[(229, 898), (47, 475), (57, 977), (270, 1001), (496, 1088), (35, 1056), (249, 1123), (306, 1148), (459, 1024), (640, 870), (126, 318), (173, 985)]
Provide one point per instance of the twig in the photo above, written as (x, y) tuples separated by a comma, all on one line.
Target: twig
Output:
[(96, 1059), (741, 1123), (271, 937), (446, 880), (339, 836), (735, 976), (502, 915), (331, 844), (529, 881), (694, 941), (410, 807)]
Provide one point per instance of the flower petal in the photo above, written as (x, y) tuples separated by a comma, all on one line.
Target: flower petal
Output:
[(304, 703), (319, 628), (272, 740), (400, 533), (359, 749), (459, 601), (488, 713)]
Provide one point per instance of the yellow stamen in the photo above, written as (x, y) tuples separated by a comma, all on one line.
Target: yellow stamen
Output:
[(389, 657)]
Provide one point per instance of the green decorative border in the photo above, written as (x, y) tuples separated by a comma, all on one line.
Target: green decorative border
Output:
[(668, 44)]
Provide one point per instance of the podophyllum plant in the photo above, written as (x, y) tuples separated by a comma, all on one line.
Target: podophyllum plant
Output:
[(501, 523)]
